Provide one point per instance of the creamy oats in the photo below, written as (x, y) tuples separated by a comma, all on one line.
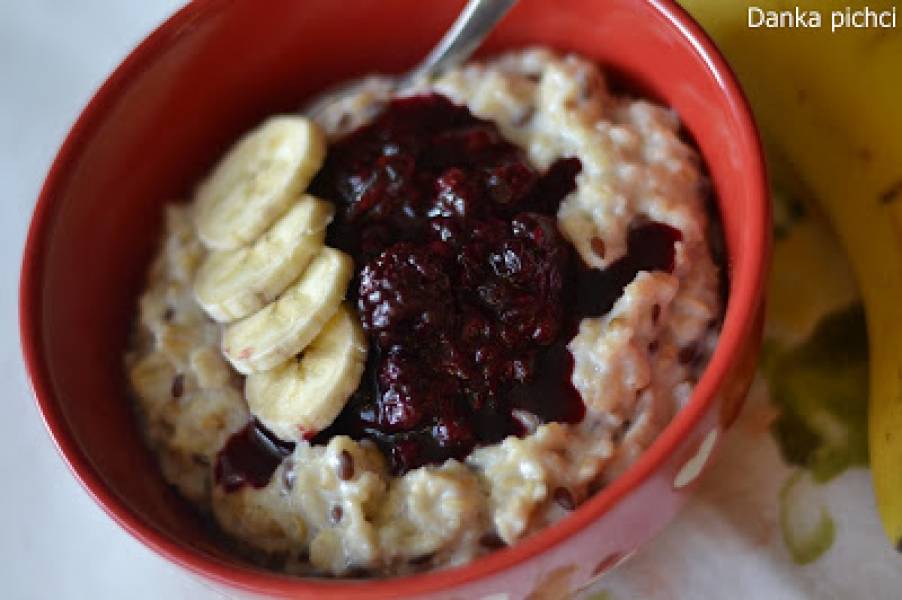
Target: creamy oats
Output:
[(335, 508)]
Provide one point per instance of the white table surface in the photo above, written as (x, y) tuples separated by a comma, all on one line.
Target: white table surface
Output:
[(56, 543)]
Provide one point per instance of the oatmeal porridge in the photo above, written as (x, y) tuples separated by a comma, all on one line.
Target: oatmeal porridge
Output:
[(431, 322)]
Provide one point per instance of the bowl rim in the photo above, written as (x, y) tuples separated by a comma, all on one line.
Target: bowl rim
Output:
[(743, 305)]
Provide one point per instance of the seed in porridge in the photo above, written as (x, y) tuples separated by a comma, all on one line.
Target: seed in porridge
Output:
[(687, 354), (423, 559), (584, 85), (168, 314), (655, 313), (336, 514), (564, 498), (597, 245), (492, 540), (178, 386), (345, 465), (653, 346), (359, 573), (276, 561), (596, 485)]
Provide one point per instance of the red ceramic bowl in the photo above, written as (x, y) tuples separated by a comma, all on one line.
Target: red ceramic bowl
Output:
[(218, 67)]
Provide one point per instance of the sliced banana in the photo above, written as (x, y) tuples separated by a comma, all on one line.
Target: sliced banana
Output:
[(283, 328), (302, 397), (232, 284), (256, 181)]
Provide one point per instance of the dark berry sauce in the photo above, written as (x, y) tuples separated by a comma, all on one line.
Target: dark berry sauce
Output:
[(467, 290), (250, 456), (649, 247)]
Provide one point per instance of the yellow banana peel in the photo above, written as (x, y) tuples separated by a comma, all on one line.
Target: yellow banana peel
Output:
[(829, 105)]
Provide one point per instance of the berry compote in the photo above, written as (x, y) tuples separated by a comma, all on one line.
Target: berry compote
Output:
[(250, 457), (467, 290)]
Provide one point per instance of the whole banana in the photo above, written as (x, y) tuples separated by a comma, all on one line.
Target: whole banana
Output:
[(830, 109)]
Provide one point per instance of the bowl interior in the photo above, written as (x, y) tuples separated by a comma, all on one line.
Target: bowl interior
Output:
[(215, 70)]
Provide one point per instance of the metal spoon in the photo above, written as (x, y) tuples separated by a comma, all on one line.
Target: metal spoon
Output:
[(477, 19)]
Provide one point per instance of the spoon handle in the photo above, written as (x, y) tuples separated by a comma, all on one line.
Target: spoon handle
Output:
[(472, 26)]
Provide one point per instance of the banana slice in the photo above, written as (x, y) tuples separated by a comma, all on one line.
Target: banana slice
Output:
[(302, 397), (280, 330), (232, 284), (256, 181)]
